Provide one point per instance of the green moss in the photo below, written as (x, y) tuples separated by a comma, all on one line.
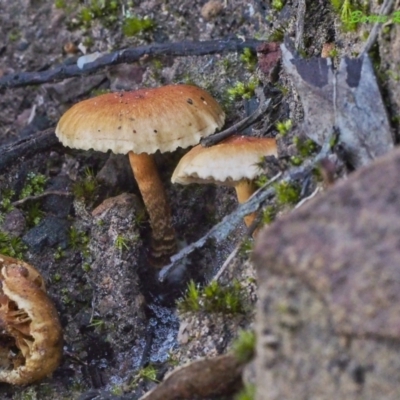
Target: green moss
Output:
[(333, 53), (261, 180), (147, 373), (117, 390), (345, 8), (121, 243), (57, 277), (249, 58), (277, 4), (97, 323), (213, 298), (246, 247), (247, 393), (78, 240), (242, 90), (135, 25), (269, 214), (287, 193), (14, 36), (305, 147), (6, 201), (283, 89), (277, 35), (105, 11), (86, 187), (244, 346), (59, 254), (11, 246), (283, 127), (29, 394), (33, 213), (191, 300), (296, 160), (60, 4)]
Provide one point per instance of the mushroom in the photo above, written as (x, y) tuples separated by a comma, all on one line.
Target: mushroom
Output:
[(232, 162), (140, 123), (30, 331)]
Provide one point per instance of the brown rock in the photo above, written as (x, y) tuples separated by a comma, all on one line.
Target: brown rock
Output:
[(211, 9), (326, 272)]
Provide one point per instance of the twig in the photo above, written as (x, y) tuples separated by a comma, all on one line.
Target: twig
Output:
[(313, 194), (227, 262), (385, 10), (179, 49), (301, 12), (250, 231), (239, 126), (27, 147), (40, 196)]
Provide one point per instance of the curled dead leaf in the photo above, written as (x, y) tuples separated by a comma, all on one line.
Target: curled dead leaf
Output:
[(30, 331)]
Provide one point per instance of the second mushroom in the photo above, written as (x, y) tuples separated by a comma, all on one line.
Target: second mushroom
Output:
[(232, 162)]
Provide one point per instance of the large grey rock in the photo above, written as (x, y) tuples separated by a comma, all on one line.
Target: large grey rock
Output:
[(328, 319)]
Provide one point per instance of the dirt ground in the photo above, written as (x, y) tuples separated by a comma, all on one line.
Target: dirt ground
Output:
[(114, 316)]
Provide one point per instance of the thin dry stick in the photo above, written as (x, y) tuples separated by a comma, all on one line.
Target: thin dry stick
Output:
[(179, 49), (237, 248), (313, 194), (40, 196), (239, 126), (227, 262), (385, 10), (301, 12)]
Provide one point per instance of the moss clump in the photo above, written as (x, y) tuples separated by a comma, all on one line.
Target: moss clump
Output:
[(287, 193), (86, 187), (283, 127), (247, 393), (305, 147), (244, 346), (242, 90), (121, 243), (6, 202), (33, 214), (246, 247), (135, 25), (213, 298), (11, 246), (249, 58), (277, 4), (78, 240), (269, 214), (345, 9), (148, 373)]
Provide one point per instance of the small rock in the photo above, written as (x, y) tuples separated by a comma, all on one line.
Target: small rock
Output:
[(116, 174), (50, 232), (14, 223), (211, 9), (23, 45), (329, 285)]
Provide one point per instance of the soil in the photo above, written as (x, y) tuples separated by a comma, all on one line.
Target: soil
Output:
[(115, 316)]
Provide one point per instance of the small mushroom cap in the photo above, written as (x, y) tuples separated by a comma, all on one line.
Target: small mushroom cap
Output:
[(226, 163), (142, 121)]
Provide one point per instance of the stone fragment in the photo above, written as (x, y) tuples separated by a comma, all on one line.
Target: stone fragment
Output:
[(329, 291)]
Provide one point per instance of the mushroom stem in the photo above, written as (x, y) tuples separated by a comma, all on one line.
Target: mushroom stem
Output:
[(244, 189), (163, 234)]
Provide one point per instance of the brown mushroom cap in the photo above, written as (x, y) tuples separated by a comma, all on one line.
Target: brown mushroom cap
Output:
[(29, 323), (142, 121), (226, 163)]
